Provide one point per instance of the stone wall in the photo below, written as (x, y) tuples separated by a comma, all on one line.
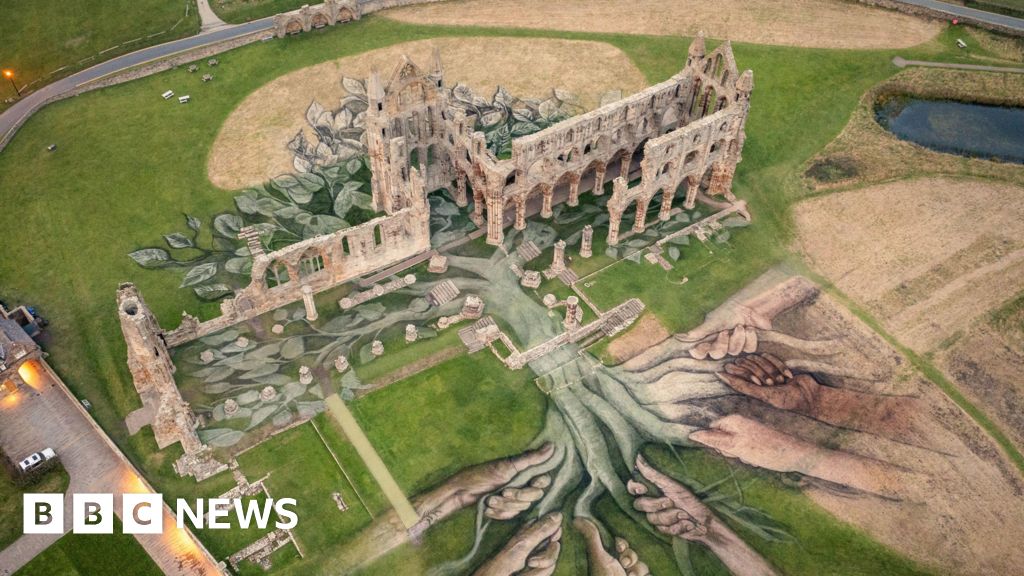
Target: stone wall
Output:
[(309, 17), (320, 263), (687, 130)]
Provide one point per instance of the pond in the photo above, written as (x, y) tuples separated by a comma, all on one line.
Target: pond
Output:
[(974, 130)]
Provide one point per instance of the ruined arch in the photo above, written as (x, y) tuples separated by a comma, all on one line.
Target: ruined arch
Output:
[(293, 26), (311, 261), (320, 19), (276, 274), (345, 14)]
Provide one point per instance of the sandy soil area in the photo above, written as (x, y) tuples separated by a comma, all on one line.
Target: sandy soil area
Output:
[(926, 256), (251, 146), (644, 334), (808, 23), (959, 490), (988, 367)]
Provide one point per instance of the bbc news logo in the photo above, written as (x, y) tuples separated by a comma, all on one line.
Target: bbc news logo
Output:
[(144, 513)]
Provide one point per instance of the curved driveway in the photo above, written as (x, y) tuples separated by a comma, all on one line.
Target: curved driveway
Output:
[(16, 114)]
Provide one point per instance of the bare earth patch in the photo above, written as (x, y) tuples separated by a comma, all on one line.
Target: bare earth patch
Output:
[(644, 334), (989, 368), (808, 23), (926, 256), (961, 506), (251, 146)]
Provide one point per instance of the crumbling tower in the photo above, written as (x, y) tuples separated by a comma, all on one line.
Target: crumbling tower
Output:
[(404, 130)]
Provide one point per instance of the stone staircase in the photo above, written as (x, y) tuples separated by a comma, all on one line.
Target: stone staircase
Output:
[(443, 293), (528, 251)]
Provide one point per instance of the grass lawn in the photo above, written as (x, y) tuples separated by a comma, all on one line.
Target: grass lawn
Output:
[(41, 36), (92, 555), (10, 499), (129, 164), (429, 427), (235, 11)]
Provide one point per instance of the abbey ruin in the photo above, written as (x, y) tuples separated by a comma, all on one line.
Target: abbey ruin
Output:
[(673, 144)]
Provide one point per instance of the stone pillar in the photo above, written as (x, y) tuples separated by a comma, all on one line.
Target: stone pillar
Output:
[(545, 209), (520, 213), (640, 222), (599, 180), (478, 208), (495, 221), (558, 262), (411, 333), (614, 218), (587, 241), (721, 181), (692, 186), (574, 190), (460, 190), (666, 204), (627, 161), (572, 313), (310, 303)]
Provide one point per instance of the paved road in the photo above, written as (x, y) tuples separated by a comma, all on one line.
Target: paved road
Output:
[(43, 414), (13, 116), (965, 12), (901, 63)]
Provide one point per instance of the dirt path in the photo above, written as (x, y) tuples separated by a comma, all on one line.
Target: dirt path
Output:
[(901, 63), (337, 409), (807, 23)]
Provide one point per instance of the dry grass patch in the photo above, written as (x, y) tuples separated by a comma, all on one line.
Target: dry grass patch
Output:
[(808, 23), (876, 155), (251, 145), (644, 334), (927, 256)]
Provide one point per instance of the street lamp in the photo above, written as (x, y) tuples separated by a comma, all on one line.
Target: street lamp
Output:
[(9, 74)]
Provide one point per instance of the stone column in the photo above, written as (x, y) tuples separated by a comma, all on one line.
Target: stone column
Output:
[(614, 219), (310, 303), (640, 222), (558, 262), (520, 213), (599, 180), (478, 208), (545, 210), (721, 181), (460, 190), (692, 187), (587, 241), (574, 190), (627, 160), (666, 204), (495, 221), (572, 313)]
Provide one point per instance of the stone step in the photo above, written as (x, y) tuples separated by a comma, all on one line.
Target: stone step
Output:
[(568, 277), (443, 293), (528, 251)]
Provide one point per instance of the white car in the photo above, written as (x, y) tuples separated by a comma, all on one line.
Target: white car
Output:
[(37, 459)]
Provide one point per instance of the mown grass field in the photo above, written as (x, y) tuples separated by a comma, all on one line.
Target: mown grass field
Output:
[(41, 36), (129, 164), (93, 555), (10, 498)]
